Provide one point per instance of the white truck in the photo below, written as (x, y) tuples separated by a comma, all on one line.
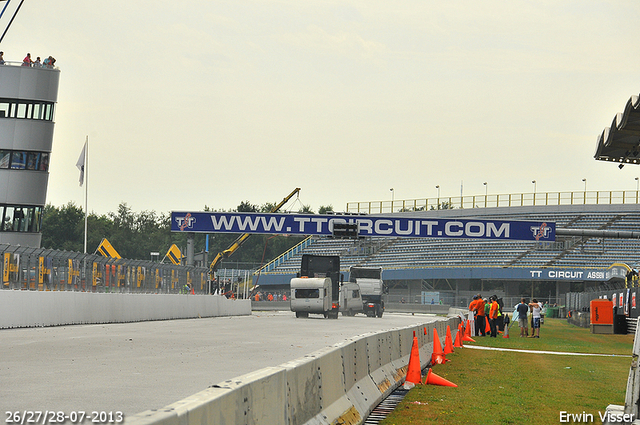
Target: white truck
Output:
[(316, 289), (372, 288)]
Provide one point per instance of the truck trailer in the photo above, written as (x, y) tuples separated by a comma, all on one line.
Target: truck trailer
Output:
[(316, 289)]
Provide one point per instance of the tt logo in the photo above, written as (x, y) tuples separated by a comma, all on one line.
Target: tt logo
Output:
[(541, 232), (185, 222)]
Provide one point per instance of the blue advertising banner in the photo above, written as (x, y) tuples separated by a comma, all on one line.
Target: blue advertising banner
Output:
[(516, 274), (389, 226)]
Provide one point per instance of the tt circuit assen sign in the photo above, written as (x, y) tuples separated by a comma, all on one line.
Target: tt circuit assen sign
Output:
[(390, 226)]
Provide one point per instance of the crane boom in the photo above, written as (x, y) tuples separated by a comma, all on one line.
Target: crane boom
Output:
[(242, 238)]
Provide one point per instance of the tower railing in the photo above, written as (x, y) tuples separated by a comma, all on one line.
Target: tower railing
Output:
[(20, 63)]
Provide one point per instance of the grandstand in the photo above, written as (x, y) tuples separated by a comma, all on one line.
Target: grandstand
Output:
[(461, 267)]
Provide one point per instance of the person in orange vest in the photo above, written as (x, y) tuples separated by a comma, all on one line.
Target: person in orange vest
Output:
[(472, 309), (477, 306), (481, 326), (270, 297), (494, 311)]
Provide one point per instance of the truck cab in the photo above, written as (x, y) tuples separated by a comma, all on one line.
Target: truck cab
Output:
[(372, 288)]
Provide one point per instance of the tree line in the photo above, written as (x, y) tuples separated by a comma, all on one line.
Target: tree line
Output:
[(137, 235)]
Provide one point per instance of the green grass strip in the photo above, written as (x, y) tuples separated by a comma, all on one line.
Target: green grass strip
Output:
[(504, 387)]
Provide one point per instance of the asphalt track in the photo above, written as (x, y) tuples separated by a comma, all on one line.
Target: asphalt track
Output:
[(134, 367)]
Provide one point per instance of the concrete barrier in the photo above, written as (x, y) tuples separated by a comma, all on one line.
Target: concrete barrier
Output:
[(339, 384), (361, 390), (416, 308), (389, 307), (315, 387), (630, 411), (21, 309), (254, 398)]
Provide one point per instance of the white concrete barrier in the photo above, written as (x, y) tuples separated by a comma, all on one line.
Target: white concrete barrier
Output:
[(255, 398), (629, 412), (20, 309), (361, 390), (339, 384)]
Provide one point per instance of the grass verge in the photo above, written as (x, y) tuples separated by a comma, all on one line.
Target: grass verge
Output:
[(499, 387)]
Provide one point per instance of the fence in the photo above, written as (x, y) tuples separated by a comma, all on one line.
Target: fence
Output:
[(499, 200), (624, 298), (40, 269)]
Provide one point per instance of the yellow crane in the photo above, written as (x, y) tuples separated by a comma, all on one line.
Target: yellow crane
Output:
[(242, 238)]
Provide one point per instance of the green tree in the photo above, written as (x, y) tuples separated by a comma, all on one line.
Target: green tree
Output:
[(135, 235), (246, 206), (98, 227), (443, 206), (306, 209), (63, 228), (267, 207), (325, 209)]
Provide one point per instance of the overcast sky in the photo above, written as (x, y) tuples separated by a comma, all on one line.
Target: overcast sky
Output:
[(197, 103)]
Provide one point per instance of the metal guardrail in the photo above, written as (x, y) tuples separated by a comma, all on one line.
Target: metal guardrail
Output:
[(499, 200), (40, 269)]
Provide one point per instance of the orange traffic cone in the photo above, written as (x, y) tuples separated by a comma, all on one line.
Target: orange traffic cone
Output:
[(506, 331), (414, 374), (434, 379), (437, 357), (458, 342), (487, 327), (467, 333), (448, 342)]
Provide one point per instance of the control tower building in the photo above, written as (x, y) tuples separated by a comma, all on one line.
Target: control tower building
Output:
[(28, 96)]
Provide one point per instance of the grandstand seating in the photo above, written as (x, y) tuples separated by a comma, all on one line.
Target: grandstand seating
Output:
[(400, 253)]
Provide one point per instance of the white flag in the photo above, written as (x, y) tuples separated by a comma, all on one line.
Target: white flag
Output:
[(81, 162)]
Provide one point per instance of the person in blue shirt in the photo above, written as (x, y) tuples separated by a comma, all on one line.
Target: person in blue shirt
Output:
[(523, 309)]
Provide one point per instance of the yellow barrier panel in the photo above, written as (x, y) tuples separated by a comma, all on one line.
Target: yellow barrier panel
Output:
[(6, 267), (107, 250), (174, 254)]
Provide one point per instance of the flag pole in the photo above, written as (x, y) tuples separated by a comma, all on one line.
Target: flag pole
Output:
[(86, 191)]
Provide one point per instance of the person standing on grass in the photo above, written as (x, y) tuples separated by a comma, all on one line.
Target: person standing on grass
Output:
[(472, 313), (523, 309), (536, 308), (493, 317), (480, 317)]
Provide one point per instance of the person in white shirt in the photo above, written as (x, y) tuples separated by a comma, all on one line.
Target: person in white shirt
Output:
[(536, 308)]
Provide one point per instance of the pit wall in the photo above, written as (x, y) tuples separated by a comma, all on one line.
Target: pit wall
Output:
[(340, 384), (20, 309)]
